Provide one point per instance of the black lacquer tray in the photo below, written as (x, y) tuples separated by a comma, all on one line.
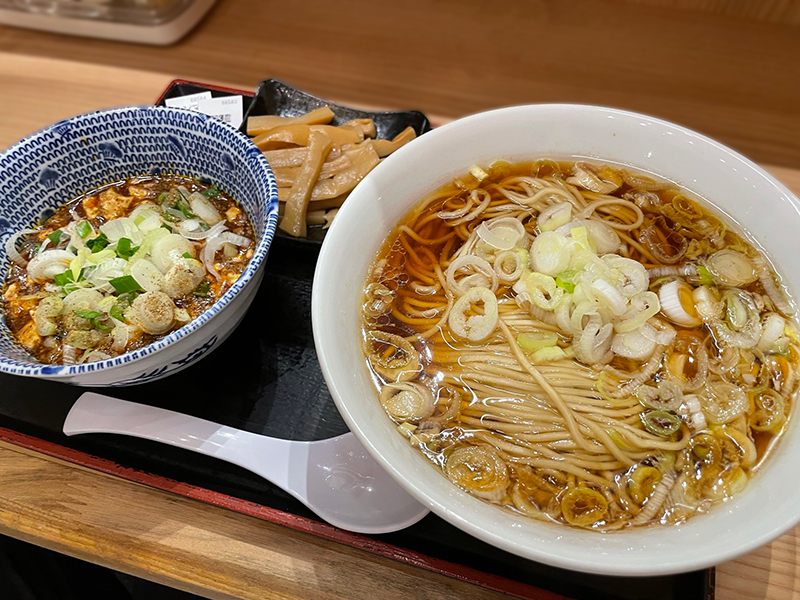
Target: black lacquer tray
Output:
[(266, 379)]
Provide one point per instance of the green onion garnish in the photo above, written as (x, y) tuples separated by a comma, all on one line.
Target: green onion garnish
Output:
[(126, 284), (161, 197), (64, 278), (56, 236), (212, 192), (98, 243), (116, 313), (566, 281), (94, 317), (187, 255), (84, 229), (88, 314), (661, 422), (124, 249), (705, 275), (184, 208), (126, 299), (202, 289)]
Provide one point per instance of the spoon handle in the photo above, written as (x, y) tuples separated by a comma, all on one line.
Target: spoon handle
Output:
[(265, 456)]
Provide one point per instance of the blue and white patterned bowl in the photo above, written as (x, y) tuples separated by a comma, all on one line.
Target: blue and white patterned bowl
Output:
[(49, 168)]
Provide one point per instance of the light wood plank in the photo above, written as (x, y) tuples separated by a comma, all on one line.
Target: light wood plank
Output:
[(37, 92), (775, 11), (191, 545)]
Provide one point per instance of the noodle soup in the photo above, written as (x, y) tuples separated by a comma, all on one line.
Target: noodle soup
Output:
[(580, 344)]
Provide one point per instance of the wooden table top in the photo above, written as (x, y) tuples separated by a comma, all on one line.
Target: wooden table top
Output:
[(718, 87)]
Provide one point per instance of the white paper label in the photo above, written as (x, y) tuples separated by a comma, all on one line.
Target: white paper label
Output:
[(191, 101), (228, 109)]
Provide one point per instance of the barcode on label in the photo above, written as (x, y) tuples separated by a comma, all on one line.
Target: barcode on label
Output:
[(227, 108)]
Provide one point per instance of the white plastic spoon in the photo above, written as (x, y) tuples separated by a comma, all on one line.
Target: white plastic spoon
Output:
[(335, 478)]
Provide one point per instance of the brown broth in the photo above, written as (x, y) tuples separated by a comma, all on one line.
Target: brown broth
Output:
[(97, 207), (411, 266)]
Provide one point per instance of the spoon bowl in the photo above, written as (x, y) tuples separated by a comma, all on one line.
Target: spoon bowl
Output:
[(336, 478)]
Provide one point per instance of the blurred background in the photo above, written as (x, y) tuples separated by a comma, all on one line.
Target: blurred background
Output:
[(725, 68)]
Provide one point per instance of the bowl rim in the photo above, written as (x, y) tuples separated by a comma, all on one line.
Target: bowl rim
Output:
[(50, 371), (338, 384)]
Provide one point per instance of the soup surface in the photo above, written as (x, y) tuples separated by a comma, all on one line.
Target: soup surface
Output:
[(581, 344), (122, 266)]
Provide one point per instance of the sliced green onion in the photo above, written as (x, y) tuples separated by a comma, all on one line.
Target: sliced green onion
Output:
[(212, 192), (661, 281), (704, 275), (548, 354), (536, 341), (161, 197), (64, 278), (116, 313), (124, 249), (125, 284), (126, 299), (202, 289), (98, 243), (181, 206), (84, 228), (56, 236), (660, 422), (187, 255), (566, 281), (88, 314)]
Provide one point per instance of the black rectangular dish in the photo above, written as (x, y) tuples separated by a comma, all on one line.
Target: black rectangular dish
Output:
[(266, 380)]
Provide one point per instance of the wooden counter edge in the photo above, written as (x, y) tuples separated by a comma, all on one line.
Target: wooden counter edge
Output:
[(190, 545)]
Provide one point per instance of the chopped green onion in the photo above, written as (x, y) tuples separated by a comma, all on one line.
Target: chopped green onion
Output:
[(212, 192), (64, 278), (124, 249), (566, 281), (169, 216), (98, 243), (56, 237), (84, 228), (184, 208), (661, 422), (536, 341), (204, 226), (88, 314), (116, 313), (548, 354), (126, 299), (125, 284), (93, 316), (705, 275), (161, 197), (202, 289), (187, 255)]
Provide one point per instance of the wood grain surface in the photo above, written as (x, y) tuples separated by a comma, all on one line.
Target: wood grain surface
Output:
[(220, 554), (732, 78)]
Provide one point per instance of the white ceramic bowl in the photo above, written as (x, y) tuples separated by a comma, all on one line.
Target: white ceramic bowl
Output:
[(769, 506), (72, 157)]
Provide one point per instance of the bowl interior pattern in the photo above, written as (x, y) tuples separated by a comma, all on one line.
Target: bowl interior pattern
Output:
[(65, 160)]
